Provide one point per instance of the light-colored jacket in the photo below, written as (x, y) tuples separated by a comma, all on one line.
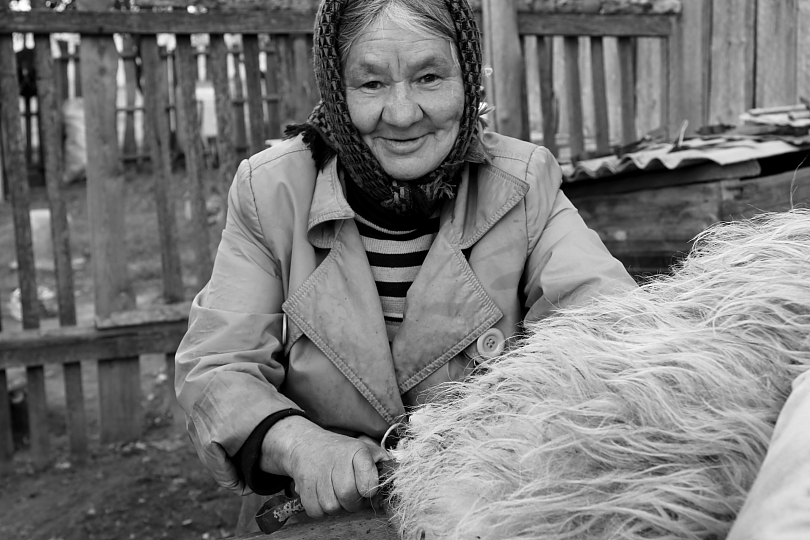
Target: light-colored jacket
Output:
[(291, 317)]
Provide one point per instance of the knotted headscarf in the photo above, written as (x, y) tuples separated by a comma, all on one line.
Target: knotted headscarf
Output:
[(330, 130)]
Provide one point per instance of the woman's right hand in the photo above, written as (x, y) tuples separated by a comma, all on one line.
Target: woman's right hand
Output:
[(333, 473)]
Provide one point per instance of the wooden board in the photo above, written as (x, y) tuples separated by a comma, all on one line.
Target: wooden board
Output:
[(6, 436), (74, 344), (75, 417), (600, 101), (693, 88), (275, 129), (50, 121), (120, 414), (102, 22), (732, 60), (13, 152), (628, 90), (778, 193), (105, 182), (38, 417), (548, 103), (156, 103), (253, 85), (186, 69), (504, 87), (595, 25), (573, 85), (648, 85), (803, 48), (776, 53), (226, 147)]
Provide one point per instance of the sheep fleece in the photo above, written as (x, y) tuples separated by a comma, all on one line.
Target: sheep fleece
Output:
[(644, 415)]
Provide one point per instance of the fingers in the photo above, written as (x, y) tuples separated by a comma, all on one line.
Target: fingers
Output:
[(365, 470)]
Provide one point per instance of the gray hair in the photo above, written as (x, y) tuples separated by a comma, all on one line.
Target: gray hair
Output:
[(423, 16)]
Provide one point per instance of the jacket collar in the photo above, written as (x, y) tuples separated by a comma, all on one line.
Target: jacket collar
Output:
[(484, 195), (337, 307)]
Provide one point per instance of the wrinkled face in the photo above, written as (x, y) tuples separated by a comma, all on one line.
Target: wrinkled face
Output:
[(406, 97)]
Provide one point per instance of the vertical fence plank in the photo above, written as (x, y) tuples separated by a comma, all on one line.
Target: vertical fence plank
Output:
[(628, 99), (17, 178), (803, 47), (218, 69), (6, 437), (271, 88), (573, 86), (118, 410), (128, 54), (530, 66), (548, 100), (253, 84), (648, 85), (504, 87), (186, 65), (286, 76), (37, 416), (776, 40), (239, 108), (732, 62), (600, 102), (63, 91), (695, 28), (157, 126), (75, 416)]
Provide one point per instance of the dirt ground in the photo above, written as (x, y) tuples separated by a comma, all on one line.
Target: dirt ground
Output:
[(147, 489)]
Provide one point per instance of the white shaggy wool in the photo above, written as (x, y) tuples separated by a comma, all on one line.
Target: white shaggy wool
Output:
[(639, 416)]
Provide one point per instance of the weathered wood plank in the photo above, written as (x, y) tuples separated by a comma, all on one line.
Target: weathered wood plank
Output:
[(732, 62), (803, 48), (184, 56), (692, 88), (105, 183), (576, 139), (595, 25), (275, 129), (75, 417), (62, 72), (157, 131), (120, 414), (129, 146), (50, 121), (776, 40), (548, 100), (307, 89), (253, 84), (504, 87), (600, 102), (628, 97), (6, 436), (16, 171), (38, 416), (74, 344), (239, 109), (102, 22), (218, 69), (648, 85)]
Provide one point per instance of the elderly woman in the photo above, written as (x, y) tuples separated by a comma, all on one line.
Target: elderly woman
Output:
[(379, 251)]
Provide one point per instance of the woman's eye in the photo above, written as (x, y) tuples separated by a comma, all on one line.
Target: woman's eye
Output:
[(372, 85), (430, 78)]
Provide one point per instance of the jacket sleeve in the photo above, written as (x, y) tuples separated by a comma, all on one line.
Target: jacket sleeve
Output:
[(229, 364), (778, 505), (567, 262)]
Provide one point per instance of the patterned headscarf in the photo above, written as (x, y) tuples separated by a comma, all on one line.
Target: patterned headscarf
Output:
[(333, 125)]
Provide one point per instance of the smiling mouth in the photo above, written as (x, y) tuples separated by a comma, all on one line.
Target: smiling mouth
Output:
[(403, 146)]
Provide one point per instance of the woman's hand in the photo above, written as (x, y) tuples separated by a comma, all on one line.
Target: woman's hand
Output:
[(332, 473)]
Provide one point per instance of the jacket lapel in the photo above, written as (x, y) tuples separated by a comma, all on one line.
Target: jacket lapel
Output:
[(337, 306), (447, 306)]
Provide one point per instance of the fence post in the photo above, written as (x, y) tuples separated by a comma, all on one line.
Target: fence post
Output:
[(502, 50), (119, 381)]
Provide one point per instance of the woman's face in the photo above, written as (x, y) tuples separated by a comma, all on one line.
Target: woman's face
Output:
[(406, 97)]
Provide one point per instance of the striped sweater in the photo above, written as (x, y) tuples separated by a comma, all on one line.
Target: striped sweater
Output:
[(395, 250)]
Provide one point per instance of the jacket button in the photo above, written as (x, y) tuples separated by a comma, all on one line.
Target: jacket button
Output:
[(490, 343)]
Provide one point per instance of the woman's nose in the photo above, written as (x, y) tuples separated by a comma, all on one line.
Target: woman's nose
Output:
[(401, 110)]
